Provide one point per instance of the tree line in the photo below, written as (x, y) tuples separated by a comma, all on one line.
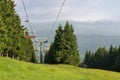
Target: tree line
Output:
[(12, 41), (103, 59)]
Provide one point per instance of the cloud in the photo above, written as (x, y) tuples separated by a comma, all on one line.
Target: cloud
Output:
[(77, 10)]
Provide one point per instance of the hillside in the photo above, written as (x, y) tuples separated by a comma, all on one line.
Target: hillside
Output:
[(17, 70)]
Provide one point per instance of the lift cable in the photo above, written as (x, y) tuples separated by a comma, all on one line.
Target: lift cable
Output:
[(28, 20), (29, 23), (54, 24)]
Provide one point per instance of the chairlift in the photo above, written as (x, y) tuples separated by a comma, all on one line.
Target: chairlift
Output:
[(45, 41), (27, 34), (27, 21), (36, 50)]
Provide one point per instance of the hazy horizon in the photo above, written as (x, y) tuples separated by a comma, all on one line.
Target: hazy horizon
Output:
[(89, 17)]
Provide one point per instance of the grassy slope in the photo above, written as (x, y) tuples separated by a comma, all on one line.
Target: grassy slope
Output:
[(17, 70)]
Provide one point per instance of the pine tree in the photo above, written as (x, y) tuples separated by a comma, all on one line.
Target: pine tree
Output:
[(116, 66), (3, 30), (55, 55), (49, 56), (33, 58), (88, 59), (112, 56), (12, 41), (70, 47), (64, 48), (99, 58)]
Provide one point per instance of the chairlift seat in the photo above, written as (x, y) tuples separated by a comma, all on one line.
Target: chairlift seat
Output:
[(36, 50), (27, 36)]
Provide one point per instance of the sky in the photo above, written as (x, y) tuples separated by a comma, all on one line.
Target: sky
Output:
[(100, 17), (75, 10)]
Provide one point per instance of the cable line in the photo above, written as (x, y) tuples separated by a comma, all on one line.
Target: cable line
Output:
[(54, 24), (28, 20)]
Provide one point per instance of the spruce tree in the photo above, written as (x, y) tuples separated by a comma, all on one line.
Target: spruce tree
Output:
[(112, 56), (70, 46), (12, 41), (116, 66), (99, 58), (49, 56), (88, 59), (55, 54), (64, 48)]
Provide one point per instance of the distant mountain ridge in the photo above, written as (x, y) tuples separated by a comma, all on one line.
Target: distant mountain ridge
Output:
[(93, 42), (90, 36), (107, 28)]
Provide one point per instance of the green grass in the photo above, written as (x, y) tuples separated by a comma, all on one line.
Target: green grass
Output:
[(16, 70)]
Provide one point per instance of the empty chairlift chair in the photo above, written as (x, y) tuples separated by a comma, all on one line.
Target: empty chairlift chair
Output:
[(35, 50), (29, 34)]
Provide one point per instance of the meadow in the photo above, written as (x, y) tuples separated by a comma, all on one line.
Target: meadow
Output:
[(17, 70)]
